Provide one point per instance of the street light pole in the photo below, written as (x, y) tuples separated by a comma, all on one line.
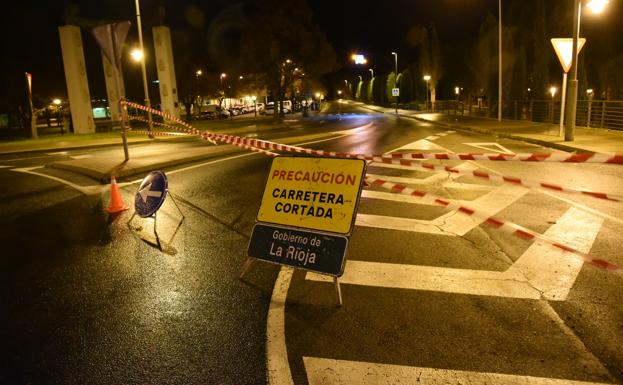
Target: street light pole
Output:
[(573, 83), (427, 78), (396, 76), (372, 72), (500, 61), (144, 71)]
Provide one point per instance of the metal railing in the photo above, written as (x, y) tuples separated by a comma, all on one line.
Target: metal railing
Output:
[(590, 113)]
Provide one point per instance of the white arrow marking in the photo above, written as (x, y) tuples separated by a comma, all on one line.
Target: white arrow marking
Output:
[(145, 192)]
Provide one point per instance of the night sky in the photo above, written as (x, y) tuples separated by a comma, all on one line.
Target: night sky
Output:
[(30, 37)]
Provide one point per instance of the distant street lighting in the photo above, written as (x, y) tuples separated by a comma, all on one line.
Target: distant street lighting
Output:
[(552, 91), (427, 79), (339, 92), (360, 78), (359, 59), (136, 54), (240, 77), (223, 75), (58, 102), (396, 76), (254, 98), (198, 73), (372, 72), (597, 6), (589, 92)]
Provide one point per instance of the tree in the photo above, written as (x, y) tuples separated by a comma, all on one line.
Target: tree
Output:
[(280, 43), (431, 59), (482, 63)]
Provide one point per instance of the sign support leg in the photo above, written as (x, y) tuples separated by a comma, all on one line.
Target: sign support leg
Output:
[(176, 205), (156, 233), (245, 267), (338, 291)]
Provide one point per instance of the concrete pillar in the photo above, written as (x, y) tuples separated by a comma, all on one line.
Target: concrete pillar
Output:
[(76, 79), (113, 102), (166, 71)]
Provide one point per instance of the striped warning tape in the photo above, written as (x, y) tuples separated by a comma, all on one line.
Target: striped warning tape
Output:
[(507, 227), (158, 133), (424, 166), (499, 178), (612, 158), (262, 146)]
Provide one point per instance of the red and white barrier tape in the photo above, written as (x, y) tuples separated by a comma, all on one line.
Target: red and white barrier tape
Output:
[(522, 157), (158, 133), (508, 227), (499, 178)]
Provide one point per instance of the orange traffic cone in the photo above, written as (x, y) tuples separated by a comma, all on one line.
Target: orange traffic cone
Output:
[(116, 202)]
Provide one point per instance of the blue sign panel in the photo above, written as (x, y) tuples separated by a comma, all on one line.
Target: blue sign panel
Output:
[(151, 194)]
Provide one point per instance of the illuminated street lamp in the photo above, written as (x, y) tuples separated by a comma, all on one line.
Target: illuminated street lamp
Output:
[(396, 76), (552, 91), (596, 6), (57, 101), (359, 59), (372, 72), (137, 55), (427, 79), (223, 75), (198, 73)]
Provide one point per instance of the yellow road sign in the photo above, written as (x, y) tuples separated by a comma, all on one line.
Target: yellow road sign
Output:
[(313, 193)]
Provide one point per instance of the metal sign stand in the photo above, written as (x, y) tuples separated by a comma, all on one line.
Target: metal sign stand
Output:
[(336, 281), (154, 216)]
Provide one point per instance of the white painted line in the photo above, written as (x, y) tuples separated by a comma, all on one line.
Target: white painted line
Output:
[(291, 120), (399, 224), (507, 284), (432, 137), (387, 196), (87, 190), (491, 146), (325, 371), (85, 156), (415, 181), (421, 144), (277, 365), (542, 272), (449, 223), (6, 166), (451, 132), (552, 271), (57, 153)]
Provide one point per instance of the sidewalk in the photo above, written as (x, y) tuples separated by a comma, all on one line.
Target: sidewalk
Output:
[(543, 134)]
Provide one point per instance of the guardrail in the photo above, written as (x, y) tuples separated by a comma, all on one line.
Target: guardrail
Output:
[(590, 113)]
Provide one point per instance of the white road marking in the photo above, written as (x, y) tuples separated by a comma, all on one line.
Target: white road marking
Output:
[(451, 132), (421, 144), (84, 156), (451, 223), (57, 153), (87, 190), (432, 137), (542, 272), (277, 364), (3, 166), (416, 181), (325, 371), (491, 146)]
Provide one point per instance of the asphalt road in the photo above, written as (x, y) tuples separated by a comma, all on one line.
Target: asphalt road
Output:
[(427, 294)]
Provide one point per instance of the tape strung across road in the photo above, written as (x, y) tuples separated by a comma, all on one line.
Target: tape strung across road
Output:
[(508, 227)]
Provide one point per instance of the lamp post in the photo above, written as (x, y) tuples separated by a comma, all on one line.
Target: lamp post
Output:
[(596, 6), (346, 85), (143, 70), (396, 76), (426, 78), (254, 98), (372, 73), (223, 75), (500, 60)]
